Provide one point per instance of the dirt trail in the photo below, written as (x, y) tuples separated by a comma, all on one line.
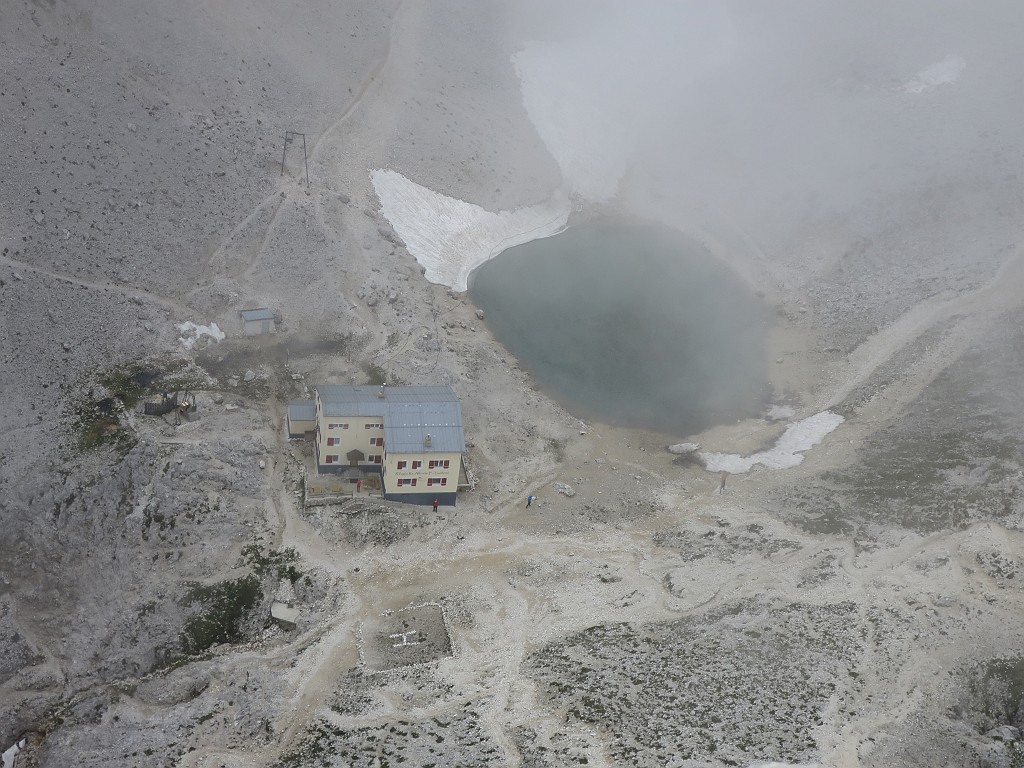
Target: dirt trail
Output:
[(317, 672), (974, 312), (215, 265), (376, 68), (969, 316), (331, 648), (182, 310)]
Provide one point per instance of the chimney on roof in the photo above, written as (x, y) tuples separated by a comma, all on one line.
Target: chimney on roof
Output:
[(380, 392), (426, 440)]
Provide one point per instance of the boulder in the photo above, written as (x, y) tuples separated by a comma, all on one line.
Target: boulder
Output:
[(684, 449), (1004, 733), (564, 488)]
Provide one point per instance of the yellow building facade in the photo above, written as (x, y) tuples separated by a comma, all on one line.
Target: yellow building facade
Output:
[(411, 436), (422, 473)]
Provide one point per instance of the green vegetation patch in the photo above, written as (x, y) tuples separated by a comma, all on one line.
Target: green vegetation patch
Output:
[(375, 374), (132, 381), (278, 562), (97, 419), (223, 610), (994, 694)]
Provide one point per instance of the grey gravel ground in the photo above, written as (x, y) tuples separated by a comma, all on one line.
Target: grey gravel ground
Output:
[(861, 609)]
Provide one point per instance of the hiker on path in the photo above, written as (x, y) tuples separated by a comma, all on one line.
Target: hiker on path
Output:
[(529, 501)]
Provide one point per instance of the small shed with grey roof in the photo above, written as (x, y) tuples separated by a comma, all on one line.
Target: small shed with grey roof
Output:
[(301, 418), (257, 322)]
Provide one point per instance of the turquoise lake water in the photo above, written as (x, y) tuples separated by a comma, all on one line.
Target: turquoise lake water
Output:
[(629, 324)]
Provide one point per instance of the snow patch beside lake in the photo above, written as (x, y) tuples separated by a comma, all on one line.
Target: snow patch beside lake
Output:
[(450, 237), (787, 452), (945, 72)]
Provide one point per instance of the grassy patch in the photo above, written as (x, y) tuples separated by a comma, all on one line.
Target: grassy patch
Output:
[(132, 381), (279, 562), (224, 608), (95, 428), (995, 694), (97, 418), (375, 374)]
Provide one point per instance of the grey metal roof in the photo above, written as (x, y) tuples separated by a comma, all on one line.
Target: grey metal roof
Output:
[(301, 410), (257, 314), (407, 425), (409, 415)]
